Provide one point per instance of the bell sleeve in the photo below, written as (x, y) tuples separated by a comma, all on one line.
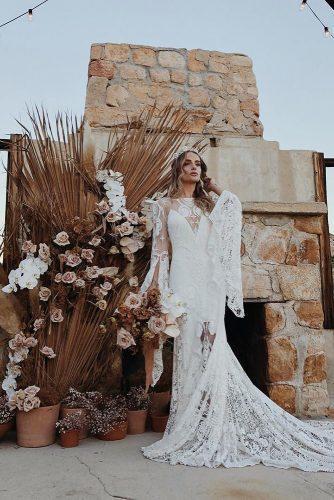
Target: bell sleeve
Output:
[(226, 217), (157, 276)]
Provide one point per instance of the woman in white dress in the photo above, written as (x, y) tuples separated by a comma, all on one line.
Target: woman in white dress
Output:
[(217, 416)]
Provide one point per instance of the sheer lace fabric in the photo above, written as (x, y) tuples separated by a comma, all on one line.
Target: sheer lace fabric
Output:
[(217, 416)]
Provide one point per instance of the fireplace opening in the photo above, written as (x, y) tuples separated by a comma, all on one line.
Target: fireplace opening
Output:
[(246, 339)]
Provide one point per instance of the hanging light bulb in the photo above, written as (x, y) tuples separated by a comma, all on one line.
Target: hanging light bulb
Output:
[(303, 5), (327, 32), (30, 14)]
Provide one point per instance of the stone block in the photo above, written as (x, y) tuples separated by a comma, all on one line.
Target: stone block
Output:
[(315, 400), (193, 63), (171, 59), (315, 369), (299, 282), (284, 395), (199, 96), (308, 224), (102, 68), (131, 72), (144, 56), (96, 91), (159, 75), (274, 316), (117, 53), (256, 283), (282, 360), (271, 245), (178, 76), (310, 313)]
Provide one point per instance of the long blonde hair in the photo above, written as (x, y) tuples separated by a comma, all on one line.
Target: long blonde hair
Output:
[(202, 199)]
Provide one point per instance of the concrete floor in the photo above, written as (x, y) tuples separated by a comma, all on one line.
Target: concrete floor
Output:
[(100, 470)]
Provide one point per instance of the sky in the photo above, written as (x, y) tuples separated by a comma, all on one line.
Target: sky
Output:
[(45, 61)]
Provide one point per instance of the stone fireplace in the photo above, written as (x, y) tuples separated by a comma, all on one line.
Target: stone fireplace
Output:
[(285, 243)]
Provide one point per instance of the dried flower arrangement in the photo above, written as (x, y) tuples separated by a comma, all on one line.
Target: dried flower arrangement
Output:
[(108, 414), (70, 423), (137, 399), (6, 414), (73, 249)]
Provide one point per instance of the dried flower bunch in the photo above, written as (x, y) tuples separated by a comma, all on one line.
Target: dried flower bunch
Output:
[(148, 317), (137, 399), (70, 423), (77, 399), (6, 414), (108, 414)]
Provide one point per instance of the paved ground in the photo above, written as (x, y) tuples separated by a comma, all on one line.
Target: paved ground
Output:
[(101, 470)]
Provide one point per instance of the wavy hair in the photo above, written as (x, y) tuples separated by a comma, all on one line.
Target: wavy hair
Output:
[(202, 198)]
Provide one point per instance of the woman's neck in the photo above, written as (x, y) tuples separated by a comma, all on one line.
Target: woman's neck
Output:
[(187, 191)]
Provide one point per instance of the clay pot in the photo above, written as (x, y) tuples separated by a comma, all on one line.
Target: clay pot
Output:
[(159, 422), (64, 411), (115, 434), (4, 428), (159, 403), (37, 427), (70, 438), (136, 421)]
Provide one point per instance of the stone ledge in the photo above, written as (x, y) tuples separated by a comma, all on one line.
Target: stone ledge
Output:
[(307, 208)]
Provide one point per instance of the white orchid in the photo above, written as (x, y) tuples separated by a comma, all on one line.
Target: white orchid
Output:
[(172, 305), (9, 385)]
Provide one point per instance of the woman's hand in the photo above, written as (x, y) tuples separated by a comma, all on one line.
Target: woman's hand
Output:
[(211, 185)]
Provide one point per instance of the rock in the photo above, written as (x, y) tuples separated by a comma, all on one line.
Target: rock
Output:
[(315, 369), (282, 360), (256, 283), (193, 63), (132, 72), (271, 245), (96, 91), (117, 53), (213, 81), (308, 224), (96, 51), (274, 317), (159, 75), (299, 282), (199, 96), (284, 395), (171, 59), (101, 68), (195, 79), (219, 103), (198, 120), (241, 60), (144, 56), (310, 313), (178, 76), (218, 64), (116, 95), (250, 105), (106, 116), (315, 399)]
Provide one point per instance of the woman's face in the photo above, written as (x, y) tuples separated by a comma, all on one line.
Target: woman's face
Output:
[(191, 168)]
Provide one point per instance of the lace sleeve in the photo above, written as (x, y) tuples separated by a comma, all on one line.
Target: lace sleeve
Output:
[(158, 274), (227, 222)]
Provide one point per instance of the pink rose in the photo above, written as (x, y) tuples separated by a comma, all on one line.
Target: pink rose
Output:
[(113, 217), (57, 315), (101, 304), (58, 277), (133, 217), (44, 293), (124, 229), (62, 239), (38, 323), (28, 246), (106, 286), (102, 207), (48, 352), (69, 277), (92, 272), (30, 342), (87, 254), (124, 338), (44, 252), (80, 283), (95, 241), (133, 301), (72, 259)]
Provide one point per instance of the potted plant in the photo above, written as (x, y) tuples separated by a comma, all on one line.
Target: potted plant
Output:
[(69, 429), (79, 403), (159, 420), (6, 417), (37, 412), (108, 419), (137, 404)]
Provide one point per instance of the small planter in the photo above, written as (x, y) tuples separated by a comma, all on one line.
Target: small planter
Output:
[(4, 428), (64, 411), (136, 421), (115, 434), (37, 427), (70, 438), (159, 422), (159, 403)]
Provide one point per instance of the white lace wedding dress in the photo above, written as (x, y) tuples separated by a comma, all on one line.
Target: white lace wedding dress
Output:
[(218, 416)]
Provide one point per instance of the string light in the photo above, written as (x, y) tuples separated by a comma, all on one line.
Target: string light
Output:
[(27, 12), (327, 32)]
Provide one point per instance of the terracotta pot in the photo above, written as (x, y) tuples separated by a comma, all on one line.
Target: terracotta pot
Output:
[(159, 422), (136, 421), (37, 427), (64, 411), (159, 403), (4, 428), (70, 438), (115, 434)]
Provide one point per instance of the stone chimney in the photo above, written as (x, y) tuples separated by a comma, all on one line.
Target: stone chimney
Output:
[(219, 88)]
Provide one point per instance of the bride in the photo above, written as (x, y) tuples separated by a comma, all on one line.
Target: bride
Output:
[(217, 416)]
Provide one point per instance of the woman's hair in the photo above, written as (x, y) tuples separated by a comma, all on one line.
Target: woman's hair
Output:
[(201, 197)]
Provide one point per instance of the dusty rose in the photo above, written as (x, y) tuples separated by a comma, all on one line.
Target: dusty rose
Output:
[(80, 283), (69, 277), (92, 272), (133, 300), (133, 217), (38, 323), (113, 250), (17, 341), (19, 354), (31, 403), (87, 254), (56, 315), (13, 369), (31, 390), (102, 207), (106, 286), (58, 277), (129, 245), (124, 338), (28, 246), (44, 293), (156, 324), (48, 352), (113, 217), (62, 239), (72, 259), (95, 241), (101, 304), (124, 229), (30, 342), (133, 281), (98, 292), (44, 252)]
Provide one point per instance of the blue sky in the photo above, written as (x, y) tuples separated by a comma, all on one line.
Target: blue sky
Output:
[(45, 61)]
